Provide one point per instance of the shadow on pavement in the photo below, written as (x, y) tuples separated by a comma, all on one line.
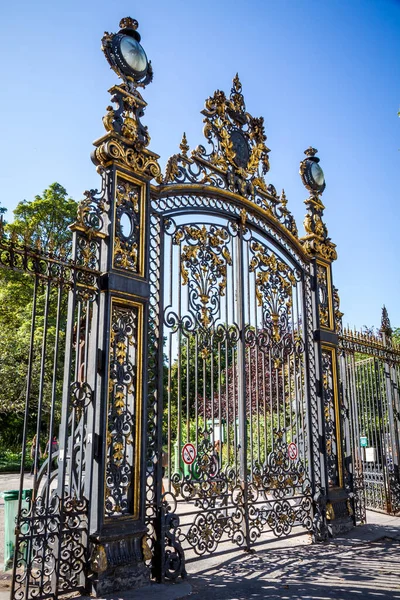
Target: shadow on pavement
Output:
[(332, 570)]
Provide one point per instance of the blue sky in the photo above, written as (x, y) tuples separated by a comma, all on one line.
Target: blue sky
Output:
[(322, 73)]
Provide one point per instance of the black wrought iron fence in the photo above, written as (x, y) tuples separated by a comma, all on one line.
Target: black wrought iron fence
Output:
[(370, 366), (50, 383)]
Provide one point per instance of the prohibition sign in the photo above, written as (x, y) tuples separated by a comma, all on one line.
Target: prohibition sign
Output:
[(188, 454), (292, 451)]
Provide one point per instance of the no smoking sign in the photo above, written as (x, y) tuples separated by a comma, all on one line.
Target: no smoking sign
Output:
[(292, 451), (188, 454)]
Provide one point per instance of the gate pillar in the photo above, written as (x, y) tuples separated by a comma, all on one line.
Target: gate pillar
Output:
[(117, 530), (337, 486)]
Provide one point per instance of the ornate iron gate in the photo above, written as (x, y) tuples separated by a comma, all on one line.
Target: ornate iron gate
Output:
[(236, 384), (239, 424), (199, 385)]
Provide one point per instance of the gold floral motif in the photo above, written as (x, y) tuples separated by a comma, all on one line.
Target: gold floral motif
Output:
[(172, 169), (122, 409), (127, 138), (316, 241), (222, 117), (274, 283), (238, 160), (125, 258), (204, 260), (127, 202), (108, 119), (128, 190), (143, 162)]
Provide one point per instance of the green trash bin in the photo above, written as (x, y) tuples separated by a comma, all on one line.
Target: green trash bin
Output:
[(10, 515)]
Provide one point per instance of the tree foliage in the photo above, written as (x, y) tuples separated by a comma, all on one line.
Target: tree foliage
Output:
[(42, 223)]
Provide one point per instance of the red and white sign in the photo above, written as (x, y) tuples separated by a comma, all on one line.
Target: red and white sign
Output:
[(292, 451), (188, 454)]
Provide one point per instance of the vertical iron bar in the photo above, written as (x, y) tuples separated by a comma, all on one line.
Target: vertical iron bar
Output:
[(40, 407), (24, 440), (242, 383), (54, 384), (256, 352), (41, 386)]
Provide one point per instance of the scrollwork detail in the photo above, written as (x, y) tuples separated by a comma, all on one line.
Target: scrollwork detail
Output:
[(121, 430)]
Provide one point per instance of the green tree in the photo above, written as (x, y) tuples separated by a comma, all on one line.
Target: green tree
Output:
[(44, 221), (41, 223)]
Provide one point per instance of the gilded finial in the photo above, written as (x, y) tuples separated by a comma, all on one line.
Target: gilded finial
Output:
[(184, 147), (283, 198), (310, 151), (237, 86), (128, 23)]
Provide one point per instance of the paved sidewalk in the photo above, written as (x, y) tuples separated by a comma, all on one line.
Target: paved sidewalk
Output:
[(362, 565)]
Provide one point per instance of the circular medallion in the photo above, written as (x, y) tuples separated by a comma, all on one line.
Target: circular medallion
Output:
[(240, 148)]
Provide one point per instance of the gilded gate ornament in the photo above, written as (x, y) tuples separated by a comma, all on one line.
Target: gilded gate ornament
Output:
[(316, 241), (127, 138), (274, 282), (128, 234), (238, 160), (330, 417), (122, 411), (337, 312), (238, 140), (204, 260)]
